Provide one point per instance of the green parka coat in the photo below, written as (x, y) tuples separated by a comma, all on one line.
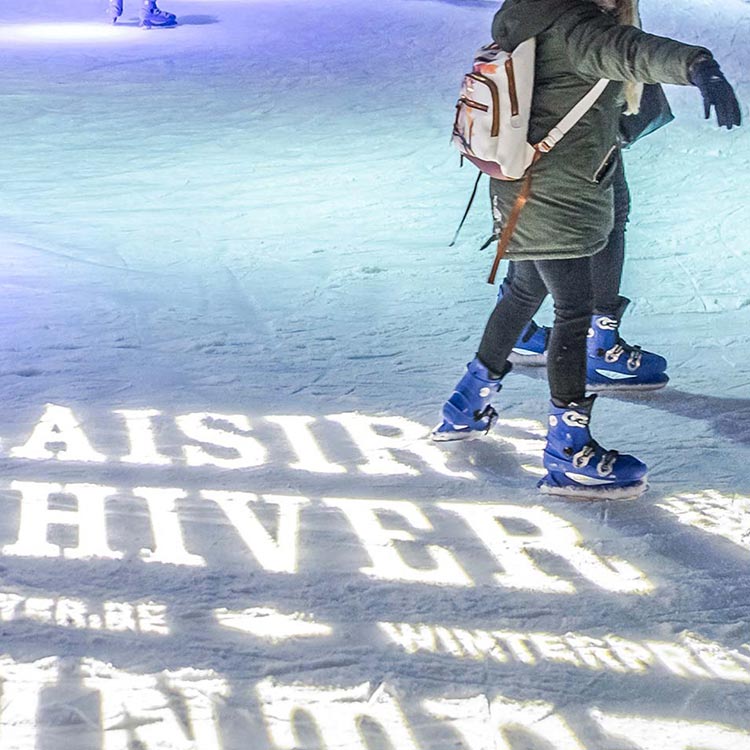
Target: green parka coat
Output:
[(569, 213)]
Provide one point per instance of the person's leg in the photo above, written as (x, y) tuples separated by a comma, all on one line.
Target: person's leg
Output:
[(613, 364), (530, 349), (577, 466), (468, 412), (607, 264), (523, 293), (569, 282)]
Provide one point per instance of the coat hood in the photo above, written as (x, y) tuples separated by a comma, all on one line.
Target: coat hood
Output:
[(519, 20)]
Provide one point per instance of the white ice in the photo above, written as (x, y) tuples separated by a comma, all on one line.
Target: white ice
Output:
[(230, 317)]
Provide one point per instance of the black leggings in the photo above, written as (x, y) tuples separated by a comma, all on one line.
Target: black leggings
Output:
[(578, 287), (569, 283), (606, 266)]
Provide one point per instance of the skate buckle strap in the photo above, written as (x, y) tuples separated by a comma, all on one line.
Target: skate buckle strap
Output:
[(634, 360), (490, 414), (607, 464), (635, 355), (583, 457), (575, 419), (612, 355)]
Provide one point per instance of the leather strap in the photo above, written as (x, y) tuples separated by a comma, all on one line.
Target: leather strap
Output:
[(510, 225)]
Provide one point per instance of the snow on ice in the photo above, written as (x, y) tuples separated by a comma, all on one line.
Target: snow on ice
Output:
[(230, 319)]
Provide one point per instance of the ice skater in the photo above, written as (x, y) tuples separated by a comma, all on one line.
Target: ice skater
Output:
[(149, 14), (612, 364), (568, 219)]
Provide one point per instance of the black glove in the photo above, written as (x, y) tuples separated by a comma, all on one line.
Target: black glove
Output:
[(716, 91)]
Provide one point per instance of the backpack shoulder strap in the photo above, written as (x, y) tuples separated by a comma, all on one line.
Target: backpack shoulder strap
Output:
[(468, 208), (579, 110)]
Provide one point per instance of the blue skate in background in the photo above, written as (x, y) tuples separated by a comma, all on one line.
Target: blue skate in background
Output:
[(150, 15), (613, 364), (115, 10)]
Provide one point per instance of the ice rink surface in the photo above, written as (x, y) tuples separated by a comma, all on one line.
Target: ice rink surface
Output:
[(230, 317)]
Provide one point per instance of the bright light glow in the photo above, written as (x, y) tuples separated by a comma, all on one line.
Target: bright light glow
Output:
[(658, 734), (178, 710), (22, 685), (677, 660), (377, 447), (278, 551), (169, 545), (139, 423), (337, 713), (58, 426), (223, 431), (727, 516), (264, 622), (222, 440), (309, 455), (524, 446), (37, 517), (551, 534), (694, 658), (64, 33), (380, 542), (66, 612), (483, 724), (175, 710), (278, 555)]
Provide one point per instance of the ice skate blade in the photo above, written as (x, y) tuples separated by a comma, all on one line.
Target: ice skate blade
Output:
[(623, 386), (455, 436), (528, 360), (630, 492), (152, 25)]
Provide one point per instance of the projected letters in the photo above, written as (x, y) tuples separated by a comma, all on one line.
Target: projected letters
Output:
[(531, 548)]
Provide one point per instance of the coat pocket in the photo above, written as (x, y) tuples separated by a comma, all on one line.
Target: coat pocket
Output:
[(606, 169)]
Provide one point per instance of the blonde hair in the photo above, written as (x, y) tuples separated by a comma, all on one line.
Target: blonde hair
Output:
[(626, 12)]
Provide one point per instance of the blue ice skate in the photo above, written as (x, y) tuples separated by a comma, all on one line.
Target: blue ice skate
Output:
[(578, 467), (531, 348), (150, 15), (614, 365), (115, 10), (468, 412)]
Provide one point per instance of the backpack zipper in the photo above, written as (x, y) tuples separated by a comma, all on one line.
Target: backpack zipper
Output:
[(474, 105), (512, 90), (495, 100)]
